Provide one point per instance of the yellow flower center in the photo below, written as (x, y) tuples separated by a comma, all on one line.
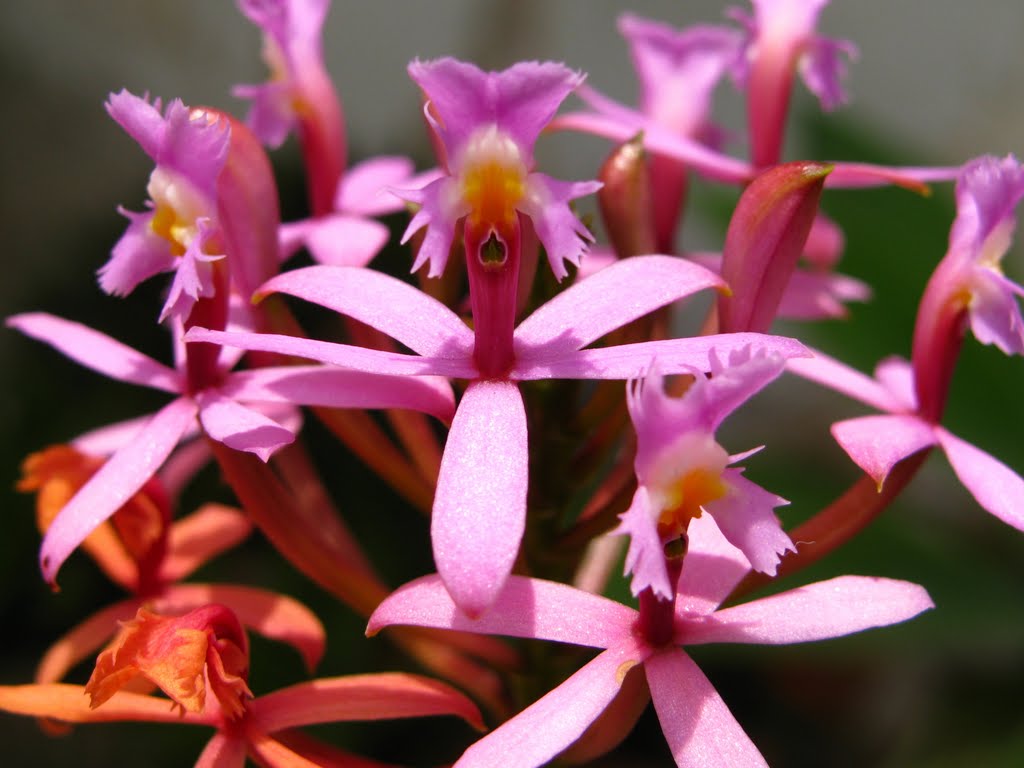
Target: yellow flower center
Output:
[(177, 206), (685, 478), (492, 178), (684, 500)]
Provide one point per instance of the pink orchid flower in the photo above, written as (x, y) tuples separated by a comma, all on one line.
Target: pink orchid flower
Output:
[(200, 660), (180, 233), (222, 409), (488, 123), (479, 511), (698, 726), (877, 443), (683, 472)]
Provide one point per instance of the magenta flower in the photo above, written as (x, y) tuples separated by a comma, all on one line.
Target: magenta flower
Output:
[(227, 411), (698, 726), (683, 472), (479, 509), (488, 123), (180, 233)]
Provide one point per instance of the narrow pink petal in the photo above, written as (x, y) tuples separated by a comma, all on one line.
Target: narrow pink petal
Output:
[(405, 313), (818, 611), (343, 355), (361, 191), (480, 504), (552, 723), (711, 569), (876, 443), (533, 608), (116, 482), (198, 538), (631, 361), (746, 518), (897, 376), (339, 388), (645, 558), (833, 374), (223, 751), (609, 299), (698, 726), (270, 614), (96, 350), (345, 241), (857, 175), (83, 641), (996, 487), (707, 162), (241, 428), (381, 696), (103, 441)]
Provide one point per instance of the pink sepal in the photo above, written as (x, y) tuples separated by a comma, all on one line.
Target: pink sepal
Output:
[(239, 427), (996, 487), (877, 443)]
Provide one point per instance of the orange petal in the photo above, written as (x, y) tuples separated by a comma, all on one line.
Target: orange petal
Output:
[(82, 641), (70, 704)]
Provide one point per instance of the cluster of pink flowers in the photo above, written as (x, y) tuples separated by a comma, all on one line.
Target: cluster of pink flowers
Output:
[(515, 291)]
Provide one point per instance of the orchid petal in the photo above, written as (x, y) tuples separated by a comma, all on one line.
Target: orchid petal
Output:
[(745, 517), (137, 256), (528, 94), (818, 611), (381, 696), (531, 608), (631, 361), (239, 427), (833, 374), (560, 231), (223, 751), (96, 350), (272, 753), (270, 614), (897, 376), (994, 312), (362, 188), (460, 94), (711, 569), (609, 299), (339, 388), (480, 504), (335, 240), (407, 314), (645, 558), (996, 487), (877, 443), (343, 355), (552, 723), (83, 641), (103, 441), (857, 175), (70, 704), (699, 728), (440, 207), (198, 538), (116, 482)]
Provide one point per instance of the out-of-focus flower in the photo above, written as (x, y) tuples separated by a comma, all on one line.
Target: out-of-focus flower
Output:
[(698, 726)]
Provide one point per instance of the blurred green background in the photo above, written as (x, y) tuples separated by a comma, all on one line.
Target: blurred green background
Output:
[(942, 690)]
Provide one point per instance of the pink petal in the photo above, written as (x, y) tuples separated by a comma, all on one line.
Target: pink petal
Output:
[(560, 231), (223, 751), (833, 374), (528, 95), (336, 240), (96, 350), (339, 388), (116, 482), (699, 728), (407, 314), (480, 504), (460, 94), (381, 696), (996, 487), (140, 120), (241, 428), (745, 517), (613, 297), (198, 538), (818, 611), (343, 355), (440, 207), (876, 443), (897, 376), (645, 558), (823, 68), (631, 361), (995, 315), (711, 569), (707, 162), (532, 608), (362, 188), (858, 175), (552, 723), (103, 441), (270, 614), (137, 256)]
